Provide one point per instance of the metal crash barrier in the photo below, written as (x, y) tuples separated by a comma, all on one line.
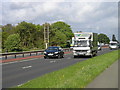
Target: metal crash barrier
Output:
[(5, 55)]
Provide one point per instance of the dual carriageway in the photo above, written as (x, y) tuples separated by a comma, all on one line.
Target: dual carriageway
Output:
[(17, 72)]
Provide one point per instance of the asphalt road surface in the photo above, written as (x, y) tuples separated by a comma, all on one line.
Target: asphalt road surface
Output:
[(19, 72)]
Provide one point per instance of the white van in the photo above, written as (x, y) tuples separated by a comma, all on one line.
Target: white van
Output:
[(113, 45)]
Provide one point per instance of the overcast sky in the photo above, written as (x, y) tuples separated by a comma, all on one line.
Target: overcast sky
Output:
[(99, 17)]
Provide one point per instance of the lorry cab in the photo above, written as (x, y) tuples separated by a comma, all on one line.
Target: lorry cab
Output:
[(82, 48), (85, 44)]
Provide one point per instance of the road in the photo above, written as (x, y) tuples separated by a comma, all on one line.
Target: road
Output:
[(19, 72)]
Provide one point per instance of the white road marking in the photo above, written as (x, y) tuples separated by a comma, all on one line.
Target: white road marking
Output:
[(19, 85), (27, 60), (18, 61), (9, 62), (69, 58), (22, 84), (52, 61), (26, 67), (22, 61)]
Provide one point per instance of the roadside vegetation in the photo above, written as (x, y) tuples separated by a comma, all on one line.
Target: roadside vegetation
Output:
[(75, 76), (27, 36)]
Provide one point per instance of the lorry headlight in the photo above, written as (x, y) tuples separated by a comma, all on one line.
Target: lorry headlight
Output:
[(89, 51), (56, 52)]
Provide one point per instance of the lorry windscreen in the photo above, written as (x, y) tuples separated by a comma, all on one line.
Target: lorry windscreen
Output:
[(82, 43), (113, 43)]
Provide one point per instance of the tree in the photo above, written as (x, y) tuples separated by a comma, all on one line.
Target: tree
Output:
[(6, 31), (39, 40), (59, 39), (64, 28), (102, 38), (27, 32), (32, 36), (13, 42), (9, 29), (114, 38), (61, 30)]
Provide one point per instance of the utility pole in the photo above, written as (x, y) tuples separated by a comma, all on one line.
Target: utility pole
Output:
[(46, 34)]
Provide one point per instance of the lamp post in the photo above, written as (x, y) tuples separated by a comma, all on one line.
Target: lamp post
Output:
[(46, 34)]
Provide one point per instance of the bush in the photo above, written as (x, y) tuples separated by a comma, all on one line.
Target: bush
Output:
[(12, 42)]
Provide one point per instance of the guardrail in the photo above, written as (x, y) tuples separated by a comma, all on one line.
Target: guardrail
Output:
[(28, 52)]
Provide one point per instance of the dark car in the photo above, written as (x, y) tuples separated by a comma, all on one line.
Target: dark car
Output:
[(54, 51)]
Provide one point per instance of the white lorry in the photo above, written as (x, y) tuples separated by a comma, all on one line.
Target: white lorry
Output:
[(85, 44), (113, 45)]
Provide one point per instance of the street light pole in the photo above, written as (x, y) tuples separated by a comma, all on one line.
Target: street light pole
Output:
[(46, 34)]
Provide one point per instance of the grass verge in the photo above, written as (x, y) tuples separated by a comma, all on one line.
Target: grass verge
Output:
[(75, 76)]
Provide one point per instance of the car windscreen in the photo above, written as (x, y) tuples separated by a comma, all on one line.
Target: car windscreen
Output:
[(53, 48)]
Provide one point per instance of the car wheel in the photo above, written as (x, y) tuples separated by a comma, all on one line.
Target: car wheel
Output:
[(46, 57), (59, 56)]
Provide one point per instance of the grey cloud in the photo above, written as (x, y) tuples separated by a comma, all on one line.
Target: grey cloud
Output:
[(99, 17)]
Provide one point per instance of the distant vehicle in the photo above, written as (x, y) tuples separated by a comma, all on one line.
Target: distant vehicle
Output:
[(119, 45), (85, 44), (54, 51), (113, 45), (99, 47)]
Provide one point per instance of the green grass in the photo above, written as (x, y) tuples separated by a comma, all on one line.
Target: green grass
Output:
[(75, 76)]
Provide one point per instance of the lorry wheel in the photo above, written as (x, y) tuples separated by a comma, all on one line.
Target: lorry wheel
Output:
[(95, 53), (91, 55)]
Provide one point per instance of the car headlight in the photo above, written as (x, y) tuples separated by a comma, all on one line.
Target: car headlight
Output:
[(45, 52), (74, 51), (56, 52)]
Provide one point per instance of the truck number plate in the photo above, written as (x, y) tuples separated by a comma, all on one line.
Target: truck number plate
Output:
[(80, 53)]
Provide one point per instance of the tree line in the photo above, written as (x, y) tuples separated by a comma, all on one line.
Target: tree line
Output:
[(28, 36)]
